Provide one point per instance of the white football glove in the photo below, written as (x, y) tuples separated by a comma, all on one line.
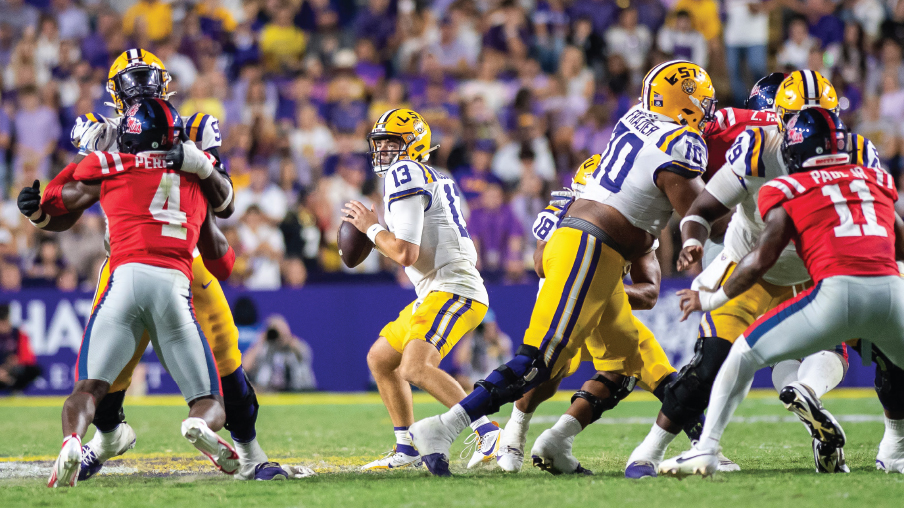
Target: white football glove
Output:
[(563, 197), (91, 136), (189, 158)]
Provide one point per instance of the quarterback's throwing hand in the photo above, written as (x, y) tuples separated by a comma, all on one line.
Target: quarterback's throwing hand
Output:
[(690, 302), (360, 217)]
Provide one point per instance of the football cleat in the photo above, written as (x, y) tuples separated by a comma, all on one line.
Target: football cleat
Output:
[(485, 447), (727, 465), (800, 400), (394, 459), (223, 456), (828, 459), (266, 471), (432, 440), (552, 453), (66, 468), (96, 452), (640, 469), (692, 462), (298, 472)]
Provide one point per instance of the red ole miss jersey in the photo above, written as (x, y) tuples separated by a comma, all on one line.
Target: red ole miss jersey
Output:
[(728, 124), (154, 214), (844, 217)]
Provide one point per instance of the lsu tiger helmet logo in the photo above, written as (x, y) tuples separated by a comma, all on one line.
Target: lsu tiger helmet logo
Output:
[(802, 90), (682, 91), (137, 74), (408, 129)]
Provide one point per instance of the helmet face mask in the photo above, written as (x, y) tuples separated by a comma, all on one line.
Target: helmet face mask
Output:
[(135, 75), (384, 155)]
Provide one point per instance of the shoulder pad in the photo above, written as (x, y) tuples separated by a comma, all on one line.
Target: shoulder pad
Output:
[(864, 152), (745, 154), (204, 130), (687, 150), (406, 179)]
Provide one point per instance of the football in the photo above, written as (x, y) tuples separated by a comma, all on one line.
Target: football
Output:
[(354, 246)]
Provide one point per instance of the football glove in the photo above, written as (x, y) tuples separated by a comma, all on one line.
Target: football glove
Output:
[(562, 198), (30, 199), (91, 136)]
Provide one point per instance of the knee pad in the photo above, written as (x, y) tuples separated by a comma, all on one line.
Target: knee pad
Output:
[(241, 406), (889, 382), (511, 380), (109, 412), (687, 396), (617, 392)]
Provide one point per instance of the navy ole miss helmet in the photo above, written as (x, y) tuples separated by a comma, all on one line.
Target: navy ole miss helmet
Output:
[(814, 138), (762, 95), (151, 124)]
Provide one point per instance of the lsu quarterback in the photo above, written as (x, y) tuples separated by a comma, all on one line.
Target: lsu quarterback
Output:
[(427, 235), (650, 168), (753, 159), (616, 373), (135, 75)]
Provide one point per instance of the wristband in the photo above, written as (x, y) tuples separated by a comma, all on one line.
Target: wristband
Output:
[(373, 231), (712, 301), (691, 242), (699, 220), (39, 219), (225, 202)]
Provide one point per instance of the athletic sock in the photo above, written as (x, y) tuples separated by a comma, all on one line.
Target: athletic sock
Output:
[(403, 441), (516, 428), (784, 373), (483, 425), (821, 371), (109, 441), (250, 453), (730, 388), (653, 446), (456, 419), (240, 405), (568, 426), (893, 440)]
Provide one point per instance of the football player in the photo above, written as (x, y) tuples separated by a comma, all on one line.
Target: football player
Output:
[(427, 235), (842, 220), (650, 168), (552, 450), (154, 219), (754, 158), (134, 75)]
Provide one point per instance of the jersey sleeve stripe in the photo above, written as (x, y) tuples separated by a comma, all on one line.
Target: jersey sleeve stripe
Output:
[(102, 158), (118, 161), (193, 123), (428, 175), (92, 118), (858, 149), (408, 193), (667, 141), (753, 160), (678, 168), (787, 180), (782, 187), (200, 130)]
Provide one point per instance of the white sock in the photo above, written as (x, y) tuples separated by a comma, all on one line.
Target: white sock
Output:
[(821, 371), (653, 446), (402, 437), (568, 426), (730, 387), (517, 426), (784, 373), (110, 439), (893, 440), (478, 422), (250, 453), (456, 419)]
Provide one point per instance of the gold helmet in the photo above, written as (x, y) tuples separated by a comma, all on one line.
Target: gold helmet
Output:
[(682, 91), (802, 90), (136, 74), (585, 173), (413, 135)]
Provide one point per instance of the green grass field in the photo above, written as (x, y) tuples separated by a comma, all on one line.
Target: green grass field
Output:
[(335, 433)]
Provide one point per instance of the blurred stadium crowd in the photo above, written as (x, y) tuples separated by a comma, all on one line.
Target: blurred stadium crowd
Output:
[(517, 93)]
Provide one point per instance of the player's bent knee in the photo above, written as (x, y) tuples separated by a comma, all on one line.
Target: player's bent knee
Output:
[(688, 395), (618, 390), (96, 388), (510, 381)]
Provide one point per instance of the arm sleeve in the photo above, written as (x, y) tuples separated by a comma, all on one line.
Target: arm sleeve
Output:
[(727, 187), (408, 219), (52, 199)]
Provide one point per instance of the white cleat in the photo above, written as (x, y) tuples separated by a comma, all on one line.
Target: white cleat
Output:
[(96, 452), (223, 456), (432, 439), (727, 465), (485, 447), (393, 460), (692, 462), (65, 469), (800, 400), (298, 472), (552, 453), (510, 455), (890, 465)]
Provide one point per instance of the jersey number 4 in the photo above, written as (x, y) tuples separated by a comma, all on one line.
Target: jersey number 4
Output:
[(165, 207), (847, 226)]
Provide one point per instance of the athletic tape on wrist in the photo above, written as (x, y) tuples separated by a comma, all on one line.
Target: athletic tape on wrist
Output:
[(699, 220), (712, 301), (692, 242)]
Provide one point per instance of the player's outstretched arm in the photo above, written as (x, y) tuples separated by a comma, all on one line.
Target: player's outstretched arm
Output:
[(646, 275), (409, 222), (216, 185), (79, 196)]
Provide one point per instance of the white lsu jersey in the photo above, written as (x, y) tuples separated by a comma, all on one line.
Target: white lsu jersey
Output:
[(754, 159), (203, 129), (447, 259), (642, 145)]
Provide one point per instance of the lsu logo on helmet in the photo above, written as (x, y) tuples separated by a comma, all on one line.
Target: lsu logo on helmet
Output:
[(682, 91), (802, 90), (406, 127)]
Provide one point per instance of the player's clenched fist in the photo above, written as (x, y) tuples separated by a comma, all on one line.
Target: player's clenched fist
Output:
[(29, 201)]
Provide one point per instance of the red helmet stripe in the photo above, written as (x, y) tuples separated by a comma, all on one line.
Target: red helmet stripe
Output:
[(832, 126), (171, 132)]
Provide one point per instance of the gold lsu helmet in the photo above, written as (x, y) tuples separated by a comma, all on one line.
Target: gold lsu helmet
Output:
[(136, 74), (409, 128), (682, 91), (585, 173), (802, 90)]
